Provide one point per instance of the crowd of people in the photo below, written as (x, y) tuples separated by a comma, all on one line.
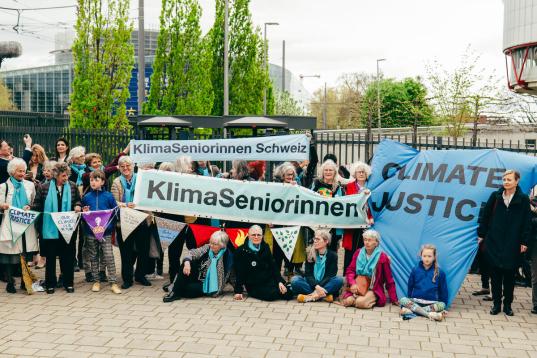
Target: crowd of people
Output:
[(73, 180)]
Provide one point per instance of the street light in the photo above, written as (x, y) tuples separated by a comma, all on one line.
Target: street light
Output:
[(265, 63), (378, 94), (324, 100)]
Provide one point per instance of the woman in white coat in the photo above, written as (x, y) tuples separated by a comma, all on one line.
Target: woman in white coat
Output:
[(19, 193)]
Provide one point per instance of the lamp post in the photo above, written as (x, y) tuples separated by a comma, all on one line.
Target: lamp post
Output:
[(324, 101), (378, 94), (265, 60)]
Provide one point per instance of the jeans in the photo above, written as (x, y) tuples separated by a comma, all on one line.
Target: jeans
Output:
[(301, 286)]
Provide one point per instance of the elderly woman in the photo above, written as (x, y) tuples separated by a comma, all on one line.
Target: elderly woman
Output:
[(58, 195), (328, 184), (320, 280), (286, 173), (352, 238), (76, 159), (18, 193), (368, 274), (136, 248), (256, 270), (205, 270)]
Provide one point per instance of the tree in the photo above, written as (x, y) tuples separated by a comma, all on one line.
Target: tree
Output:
[(402, 103), (103, 61), (463, 95), (285, 104), (181, 82), (248, 76), (6, 103)]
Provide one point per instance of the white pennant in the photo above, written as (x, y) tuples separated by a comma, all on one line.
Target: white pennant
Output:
[(15, 223), (286, 238), (66, 222), (130, 219), (168, 229)]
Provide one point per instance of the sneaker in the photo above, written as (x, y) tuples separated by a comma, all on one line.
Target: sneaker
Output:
[(37, 287), (70, 289), (159, 277), (96, 287), (115, 288), (329, 298), (150, 276), (436, 316), (405, 311), (306, 298)]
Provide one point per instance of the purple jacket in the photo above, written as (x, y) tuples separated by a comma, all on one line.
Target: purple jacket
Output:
[(383, 279)]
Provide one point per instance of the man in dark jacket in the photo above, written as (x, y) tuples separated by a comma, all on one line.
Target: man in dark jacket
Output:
[(505, 231), (256, 270)]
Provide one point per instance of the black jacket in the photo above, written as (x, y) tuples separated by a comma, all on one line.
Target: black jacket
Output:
[(255, 268), (504, 229), (42, 192), (330, 270)]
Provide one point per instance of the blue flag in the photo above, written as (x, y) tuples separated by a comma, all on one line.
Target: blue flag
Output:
[(435, 197)]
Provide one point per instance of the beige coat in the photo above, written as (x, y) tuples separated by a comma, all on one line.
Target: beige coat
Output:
[(7, 247)]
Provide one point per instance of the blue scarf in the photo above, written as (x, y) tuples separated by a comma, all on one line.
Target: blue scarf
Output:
[(319, 268), (210, 284), (20, 199), (128, 189), (50, 231), (92, 169), (365, 266), (79, 170), (253, 247)]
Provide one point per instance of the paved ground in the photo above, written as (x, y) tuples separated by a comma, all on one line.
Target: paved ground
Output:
[(137, 323)]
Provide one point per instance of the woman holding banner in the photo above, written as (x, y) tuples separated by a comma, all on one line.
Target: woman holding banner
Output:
[(256, 270), (135, 248), (352, 238), (58, 195), (18, 193), (328, 184), (505, 231), (205, 270), (368, 274)]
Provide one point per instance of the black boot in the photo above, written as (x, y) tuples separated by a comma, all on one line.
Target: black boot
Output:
[(508, 310), (10, 288), (89, 277), (143, 281), (496, 308), (170, 297)]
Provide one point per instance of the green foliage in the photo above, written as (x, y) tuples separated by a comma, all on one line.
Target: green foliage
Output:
[(181, 82), (285, 104), (402, 104), (103, 59), (248, 77), (6, 103)]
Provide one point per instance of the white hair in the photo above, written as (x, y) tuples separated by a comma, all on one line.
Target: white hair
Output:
[(167, 167), (280, 170), (125, 160), (371, 234), (146, 166), (360, 165), (333, 165), (14, 164), (75, 153), (255, 227), (49, 164), (221, 236), (183, 164)]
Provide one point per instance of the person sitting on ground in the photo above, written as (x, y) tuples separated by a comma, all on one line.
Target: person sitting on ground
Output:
[(427, 293), (205, 270), (320, 280), (368, 274), (256, 270)]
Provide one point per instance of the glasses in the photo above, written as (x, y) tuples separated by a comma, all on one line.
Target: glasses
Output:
[(256, 235), (317, 239)]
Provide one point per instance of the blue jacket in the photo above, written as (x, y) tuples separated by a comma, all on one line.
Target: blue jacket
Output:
[(99, 200), (421, 285)]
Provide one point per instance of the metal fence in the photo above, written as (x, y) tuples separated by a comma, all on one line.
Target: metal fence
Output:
[(32, 119)]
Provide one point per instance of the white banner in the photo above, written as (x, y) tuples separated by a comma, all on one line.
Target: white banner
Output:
[(66, 222), (130, 219), (15, 223), (276, 148), (286, 238)]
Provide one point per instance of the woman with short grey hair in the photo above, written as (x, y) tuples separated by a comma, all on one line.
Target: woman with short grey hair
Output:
[(205, 270), (18, 193)]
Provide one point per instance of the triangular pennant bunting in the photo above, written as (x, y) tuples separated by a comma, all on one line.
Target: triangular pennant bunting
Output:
[(98, 221), (237, 236), (286, 238), (130, 219), (66, 222), (16, 222), (168, 229), (202, 233)]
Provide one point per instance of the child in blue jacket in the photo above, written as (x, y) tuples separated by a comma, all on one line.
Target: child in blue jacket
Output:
[(427, 294), (97, 198)]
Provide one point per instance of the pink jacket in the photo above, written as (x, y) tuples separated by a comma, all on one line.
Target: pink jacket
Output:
[(383, 279)]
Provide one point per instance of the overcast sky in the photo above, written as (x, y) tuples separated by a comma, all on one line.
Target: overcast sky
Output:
[(322, 37)]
